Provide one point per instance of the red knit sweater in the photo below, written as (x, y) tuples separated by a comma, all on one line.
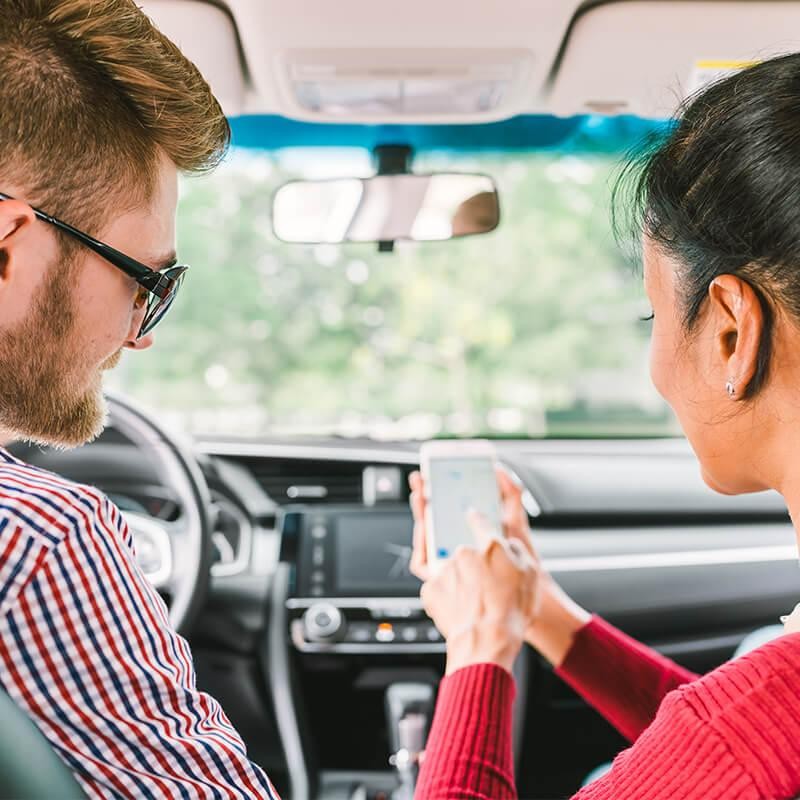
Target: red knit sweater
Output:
[(732, 734)]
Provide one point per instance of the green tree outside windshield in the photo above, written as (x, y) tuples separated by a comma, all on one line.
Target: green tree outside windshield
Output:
[(532, 330)]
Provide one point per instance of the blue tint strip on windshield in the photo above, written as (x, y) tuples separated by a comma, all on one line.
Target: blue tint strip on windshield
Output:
[(528, 132)]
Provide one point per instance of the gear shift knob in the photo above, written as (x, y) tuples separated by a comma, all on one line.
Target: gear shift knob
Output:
[(409, 707), (403, 699), (411, 732)]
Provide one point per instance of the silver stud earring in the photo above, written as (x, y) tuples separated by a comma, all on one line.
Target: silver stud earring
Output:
[(730, 388)]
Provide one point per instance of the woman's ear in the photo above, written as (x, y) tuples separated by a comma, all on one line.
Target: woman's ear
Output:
[(738, 325)]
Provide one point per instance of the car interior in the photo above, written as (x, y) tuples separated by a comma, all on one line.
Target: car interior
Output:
[(261, 451)]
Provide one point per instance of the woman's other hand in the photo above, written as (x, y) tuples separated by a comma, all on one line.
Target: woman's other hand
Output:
[(552, 618)]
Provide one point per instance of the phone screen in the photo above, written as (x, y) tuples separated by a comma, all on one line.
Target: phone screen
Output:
[(455, 486)]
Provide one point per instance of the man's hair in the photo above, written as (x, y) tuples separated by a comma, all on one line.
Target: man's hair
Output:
[(90, 94)]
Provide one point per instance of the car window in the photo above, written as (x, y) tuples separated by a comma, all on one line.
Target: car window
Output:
[(533, 330)]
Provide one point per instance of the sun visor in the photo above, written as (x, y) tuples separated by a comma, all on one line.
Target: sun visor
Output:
[(207, 35), (645, 58)]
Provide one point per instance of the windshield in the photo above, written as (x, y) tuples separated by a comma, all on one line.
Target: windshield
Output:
[(533, 330)]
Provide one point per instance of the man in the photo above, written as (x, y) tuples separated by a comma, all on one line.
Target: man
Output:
[(98, 112)]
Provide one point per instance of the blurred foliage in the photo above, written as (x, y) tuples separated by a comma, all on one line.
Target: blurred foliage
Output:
[(531, 330)]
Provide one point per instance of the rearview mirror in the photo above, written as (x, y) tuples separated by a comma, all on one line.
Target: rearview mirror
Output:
[(385, 208)]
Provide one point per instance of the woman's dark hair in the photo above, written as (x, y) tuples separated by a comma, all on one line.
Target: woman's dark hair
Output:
[(721, 193)]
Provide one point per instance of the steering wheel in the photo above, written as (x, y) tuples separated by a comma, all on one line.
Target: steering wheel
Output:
[(174, 556)]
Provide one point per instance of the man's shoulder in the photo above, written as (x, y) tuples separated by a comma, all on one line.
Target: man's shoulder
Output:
[(42, 503)]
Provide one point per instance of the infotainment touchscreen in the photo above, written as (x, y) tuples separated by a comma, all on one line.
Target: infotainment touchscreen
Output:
[(372, 554)]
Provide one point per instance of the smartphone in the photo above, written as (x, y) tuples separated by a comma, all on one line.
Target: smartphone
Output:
[(459, 475)]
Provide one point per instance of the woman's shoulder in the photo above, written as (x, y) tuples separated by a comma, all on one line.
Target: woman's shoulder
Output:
[(769, 673), (753, 704)]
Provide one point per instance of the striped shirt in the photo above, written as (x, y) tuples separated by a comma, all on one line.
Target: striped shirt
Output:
[(88, 652)]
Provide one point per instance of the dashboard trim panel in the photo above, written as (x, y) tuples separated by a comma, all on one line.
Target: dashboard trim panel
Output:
[(625, 561), (372, 603), (694, 558), (311, 452)]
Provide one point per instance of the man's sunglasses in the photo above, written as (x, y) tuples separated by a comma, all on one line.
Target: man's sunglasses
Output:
[(158, 289)]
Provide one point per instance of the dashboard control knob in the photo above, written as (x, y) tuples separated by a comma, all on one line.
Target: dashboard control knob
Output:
[(323, 623)]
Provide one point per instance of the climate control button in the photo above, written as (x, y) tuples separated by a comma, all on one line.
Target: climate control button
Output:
[(323, 623)]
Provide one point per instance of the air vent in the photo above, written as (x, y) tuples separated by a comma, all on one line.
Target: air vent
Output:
[(307, 481)]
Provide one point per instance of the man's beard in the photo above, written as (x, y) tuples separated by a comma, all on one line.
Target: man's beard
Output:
[(47, 394)]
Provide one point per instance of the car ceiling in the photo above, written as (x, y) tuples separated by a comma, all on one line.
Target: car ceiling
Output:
[(560, 57)]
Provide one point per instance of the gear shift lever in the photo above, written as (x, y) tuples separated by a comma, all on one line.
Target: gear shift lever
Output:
[(409, 707)]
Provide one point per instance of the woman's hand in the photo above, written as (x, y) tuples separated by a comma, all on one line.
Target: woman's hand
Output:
[(492, 591), (483, 598)]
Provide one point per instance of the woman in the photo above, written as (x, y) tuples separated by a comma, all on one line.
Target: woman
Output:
[(719, 207)]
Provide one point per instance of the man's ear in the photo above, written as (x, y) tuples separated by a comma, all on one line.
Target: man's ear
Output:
[(16, 219), (738, 325)]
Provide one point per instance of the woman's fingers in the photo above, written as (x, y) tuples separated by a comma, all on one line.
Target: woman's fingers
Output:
[(417, 498), (496, 549), (502, 555), (514, 565), (417, 501), (483, 532), (418, 564), (419, 555), (509, 488), (515, 517)]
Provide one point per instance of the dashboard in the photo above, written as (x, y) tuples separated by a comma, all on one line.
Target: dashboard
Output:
[(312, 612)]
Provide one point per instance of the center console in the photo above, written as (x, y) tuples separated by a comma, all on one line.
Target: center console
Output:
[(352, 591), (353, 660), (362, 659)]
